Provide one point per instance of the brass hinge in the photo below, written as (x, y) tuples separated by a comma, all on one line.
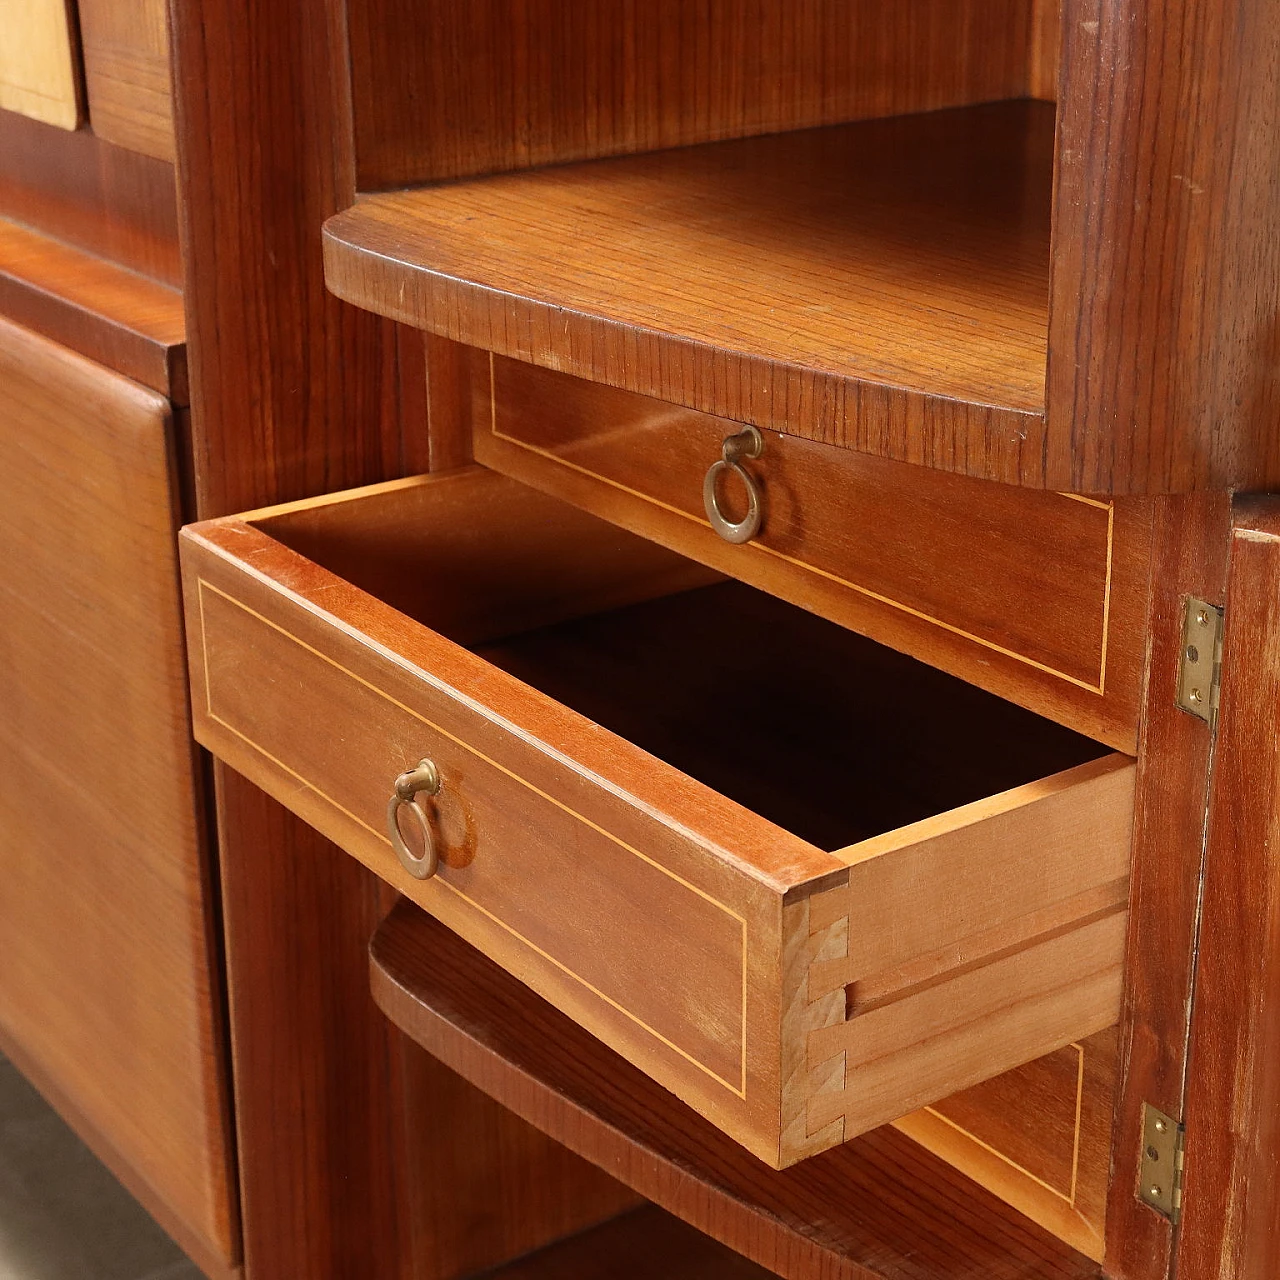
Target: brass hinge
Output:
[(1160, 1169), (1200, 664)]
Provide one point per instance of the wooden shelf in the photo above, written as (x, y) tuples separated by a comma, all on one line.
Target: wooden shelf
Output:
[(644, 1244), (876, 1207), (882, 285)]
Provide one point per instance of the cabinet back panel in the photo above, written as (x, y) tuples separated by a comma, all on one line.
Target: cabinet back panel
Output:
[(444, 89)]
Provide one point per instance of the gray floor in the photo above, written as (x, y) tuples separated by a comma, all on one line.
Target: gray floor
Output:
[(62, 1215)]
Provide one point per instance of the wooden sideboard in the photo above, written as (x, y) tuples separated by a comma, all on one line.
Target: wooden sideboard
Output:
[(839, 902), (111, 993)]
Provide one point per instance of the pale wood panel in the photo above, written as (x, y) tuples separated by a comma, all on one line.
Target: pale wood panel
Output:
[(975, 942), (1038, 597), (38, 72), (108, 987), (126, 68), (1038, 1136), (444, 89)]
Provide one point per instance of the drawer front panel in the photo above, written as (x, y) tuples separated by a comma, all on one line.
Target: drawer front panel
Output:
[(1039, 597), (561, 884)]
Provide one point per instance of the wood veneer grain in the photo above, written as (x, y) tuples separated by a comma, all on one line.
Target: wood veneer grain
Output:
[(445, 89), (125, 321), (105, 199), (1038, 1136), (882, 286), (293, 392), (109, 986), (1188, 558), (125, 45), (1041, 598), (1231, 1194), (1166, 267), (572, 854), (876, 1207)]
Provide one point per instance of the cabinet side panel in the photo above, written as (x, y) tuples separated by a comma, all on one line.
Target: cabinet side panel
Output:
[(1166, 266)]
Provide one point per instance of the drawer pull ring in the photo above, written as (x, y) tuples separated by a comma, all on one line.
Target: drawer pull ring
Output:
[(425, 777), (748, 443)]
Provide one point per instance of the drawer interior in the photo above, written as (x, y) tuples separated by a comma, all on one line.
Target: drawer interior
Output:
[(827, 734)]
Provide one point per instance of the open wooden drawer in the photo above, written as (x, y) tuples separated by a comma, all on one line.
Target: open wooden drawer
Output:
[(806, 883)]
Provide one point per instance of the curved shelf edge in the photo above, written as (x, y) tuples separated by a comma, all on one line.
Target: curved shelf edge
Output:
[(876, 1207)]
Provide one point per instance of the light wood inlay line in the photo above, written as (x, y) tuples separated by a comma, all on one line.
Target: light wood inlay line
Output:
[(1069, 1197), (739, 1089), (1098, 688)]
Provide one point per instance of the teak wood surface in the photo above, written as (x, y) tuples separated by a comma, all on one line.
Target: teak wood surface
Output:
[(443, 90), (327, 1187), (878, 1208), (785, 1013), (110, 998), (1039, 1137), (1041, 598), (1231, 1200), (76, 187), (1166, 265), (300, 405), (116, 317), (882, 286)]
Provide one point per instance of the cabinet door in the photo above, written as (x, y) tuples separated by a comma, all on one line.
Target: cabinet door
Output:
[(37, 61), (107, 990)]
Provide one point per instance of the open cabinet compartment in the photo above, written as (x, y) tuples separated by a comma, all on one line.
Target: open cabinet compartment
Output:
[(804, 882), (880, 281), (877, 1204)]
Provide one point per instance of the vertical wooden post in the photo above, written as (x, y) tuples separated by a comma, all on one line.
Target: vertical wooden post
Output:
[(1231, 1197), (339, 1118), (1188, 558)]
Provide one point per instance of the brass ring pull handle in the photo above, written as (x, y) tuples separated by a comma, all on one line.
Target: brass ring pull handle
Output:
[(748, 443), (425, 777)]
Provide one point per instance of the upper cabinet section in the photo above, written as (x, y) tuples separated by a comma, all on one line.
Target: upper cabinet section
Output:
[(859, 221), (446, 90), (38, 73)]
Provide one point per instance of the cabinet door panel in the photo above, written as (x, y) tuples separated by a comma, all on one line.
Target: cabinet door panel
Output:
[(107, 996)]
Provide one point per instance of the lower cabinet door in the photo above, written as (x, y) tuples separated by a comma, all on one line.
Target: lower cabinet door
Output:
[(107, 988), (806, 883)]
